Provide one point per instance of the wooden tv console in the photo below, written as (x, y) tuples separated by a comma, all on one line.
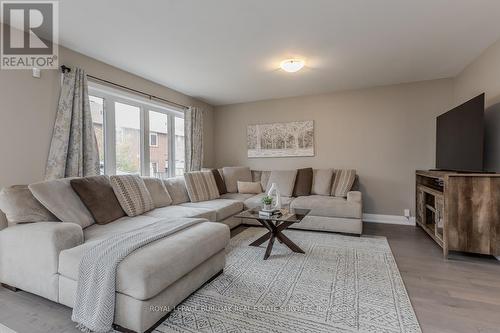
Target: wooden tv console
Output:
[(460, 211)]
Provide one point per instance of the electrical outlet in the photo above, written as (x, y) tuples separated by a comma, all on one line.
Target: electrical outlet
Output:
[(407, 213)]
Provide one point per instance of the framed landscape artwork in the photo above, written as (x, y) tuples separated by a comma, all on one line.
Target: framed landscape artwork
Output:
[(281, 139)]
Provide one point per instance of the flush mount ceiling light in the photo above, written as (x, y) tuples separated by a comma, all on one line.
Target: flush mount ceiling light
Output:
[(292, 65)]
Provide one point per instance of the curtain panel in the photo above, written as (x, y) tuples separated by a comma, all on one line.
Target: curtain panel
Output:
[(193, 131), (73, 149)]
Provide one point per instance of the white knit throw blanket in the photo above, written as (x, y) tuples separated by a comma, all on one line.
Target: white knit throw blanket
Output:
[(94, 308)]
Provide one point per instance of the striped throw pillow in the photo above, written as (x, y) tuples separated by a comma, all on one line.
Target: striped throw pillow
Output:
[(201, 186), (343, 181), (132, 194)]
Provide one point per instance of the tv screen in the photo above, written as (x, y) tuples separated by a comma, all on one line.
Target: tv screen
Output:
[(460, 137)]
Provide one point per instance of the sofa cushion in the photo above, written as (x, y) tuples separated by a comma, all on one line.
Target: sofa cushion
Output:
[(201, 186), (97, 195), (256, 201), (343, 181), (221, 186), (236, 196), (20, 206), (61, 200), (322, 181), (181, 211), (158, 192), (303, 182), (233, 174), (249, 187), (151, 269), (223, 208), (176, 187), (328, 206), (132, 194), (284, 179)]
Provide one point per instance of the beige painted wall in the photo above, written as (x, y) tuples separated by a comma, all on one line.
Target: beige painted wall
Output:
[(385, 133), (28, 109), (483, 75)]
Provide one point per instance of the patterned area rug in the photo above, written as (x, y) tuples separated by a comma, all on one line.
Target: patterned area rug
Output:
[(341, 284)]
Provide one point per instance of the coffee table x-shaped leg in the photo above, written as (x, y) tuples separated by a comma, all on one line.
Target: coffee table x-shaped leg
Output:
[(275, 231)]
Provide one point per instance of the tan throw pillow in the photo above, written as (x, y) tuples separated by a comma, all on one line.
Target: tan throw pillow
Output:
[(322, 181), (201, 186), (284, 179), (20, 206), (249, 187), (97, 195), (233, 174), (176, 187), (61, 200), (132, 194), (343, 181), (158, 191)]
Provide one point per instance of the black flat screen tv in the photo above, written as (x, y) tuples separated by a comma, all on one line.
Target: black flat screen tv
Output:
[(460, 137)]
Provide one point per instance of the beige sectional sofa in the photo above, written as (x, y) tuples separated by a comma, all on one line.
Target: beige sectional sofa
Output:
[(43, 257)]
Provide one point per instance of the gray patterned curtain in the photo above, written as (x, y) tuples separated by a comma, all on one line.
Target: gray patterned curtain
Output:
[(73, 150), (193, 131)]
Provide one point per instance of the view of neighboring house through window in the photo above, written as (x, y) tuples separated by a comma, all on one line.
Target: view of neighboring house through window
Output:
[(97, 111), (158, 144), (136, 135), (128, 139), (153, 139)]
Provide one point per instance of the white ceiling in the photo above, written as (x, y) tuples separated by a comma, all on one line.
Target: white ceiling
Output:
[(228, 51)]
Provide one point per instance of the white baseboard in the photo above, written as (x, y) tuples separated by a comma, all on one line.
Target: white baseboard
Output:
[(389, 219)]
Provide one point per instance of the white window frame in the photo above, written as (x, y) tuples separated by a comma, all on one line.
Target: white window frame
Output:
[(110, 96)]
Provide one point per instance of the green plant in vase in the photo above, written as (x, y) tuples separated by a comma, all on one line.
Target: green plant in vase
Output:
[(267, 202)]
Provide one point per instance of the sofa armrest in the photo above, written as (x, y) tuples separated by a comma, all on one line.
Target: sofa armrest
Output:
[(29, 255), (354, 196), (3, 221)]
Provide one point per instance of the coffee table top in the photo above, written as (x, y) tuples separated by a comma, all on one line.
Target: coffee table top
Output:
[(288, 215)]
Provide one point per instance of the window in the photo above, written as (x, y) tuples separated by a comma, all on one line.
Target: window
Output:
[(136, 135), (154, 169), (158, 153), (128, 139), (153, 139)]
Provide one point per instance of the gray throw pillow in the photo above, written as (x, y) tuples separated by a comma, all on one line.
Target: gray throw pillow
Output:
[(61, 200), (20, 206), (322, 181), (234, 174), (284, 179), (158, 191), (176, 187)]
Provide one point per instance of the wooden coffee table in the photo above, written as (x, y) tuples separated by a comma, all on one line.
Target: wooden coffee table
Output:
[(275, 225)]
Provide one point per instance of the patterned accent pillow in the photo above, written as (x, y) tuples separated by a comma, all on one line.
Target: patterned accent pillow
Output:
[(201, 186), (343, 181), (132, 194)]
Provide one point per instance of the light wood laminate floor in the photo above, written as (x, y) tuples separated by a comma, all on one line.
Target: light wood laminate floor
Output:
[(449, 296)]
